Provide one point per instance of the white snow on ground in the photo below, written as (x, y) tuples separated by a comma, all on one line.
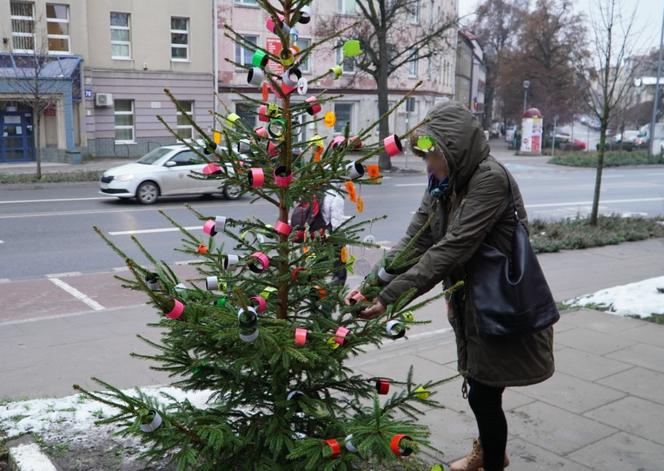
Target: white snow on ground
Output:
[(641, 299), (75, 415), (29, 457)]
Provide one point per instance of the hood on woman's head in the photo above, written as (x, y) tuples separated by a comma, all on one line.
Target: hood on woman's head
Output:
[(461, 137)]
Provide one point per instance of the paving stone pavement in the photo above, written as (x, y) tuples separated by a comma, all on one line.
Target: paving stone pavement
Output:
[(603, 409)]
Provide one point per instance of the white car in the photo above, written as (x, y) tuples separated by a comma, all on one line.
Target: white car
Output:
[(164, 171)]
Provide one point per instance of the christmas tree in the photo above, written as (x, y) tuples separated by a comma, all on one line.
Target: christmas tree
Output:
[(264, 326)]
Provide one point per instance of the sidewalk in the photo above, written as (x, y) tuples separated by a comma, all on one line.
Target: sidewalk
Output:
[(603, 409), (56, 167), (408, 162)]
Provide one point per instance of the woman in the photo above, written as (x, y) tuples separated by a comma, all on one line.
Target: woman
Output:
[(468, 196)]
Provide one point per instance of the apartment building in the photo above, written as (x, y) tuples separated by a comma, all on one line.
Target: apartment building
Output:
[(359, 104), (106, 64), (470, 73)]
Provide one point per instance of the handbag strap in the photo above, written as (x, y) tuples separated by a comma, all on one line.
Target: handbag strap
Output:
[(510, 192)]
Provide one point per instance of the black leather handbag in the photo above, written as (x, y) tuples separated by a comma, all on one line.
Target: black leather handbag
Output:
[(510, 296)]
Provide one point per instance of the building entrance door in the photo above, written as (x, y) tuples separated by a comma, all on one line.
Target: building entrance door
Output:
[(16, 144)]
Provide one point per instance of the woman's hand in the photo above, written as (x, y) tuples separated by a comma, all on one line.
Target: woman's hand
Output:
[(373, 311)]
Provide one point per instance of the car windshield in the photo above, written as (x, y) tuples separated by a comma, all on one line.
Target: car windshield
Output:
[(154, 155)]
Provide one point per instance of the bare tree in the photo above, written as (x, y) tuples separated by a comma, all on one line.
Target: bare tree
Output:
[(390, 40), (497, 25), (551, 53), (610, 77), (38, 85)]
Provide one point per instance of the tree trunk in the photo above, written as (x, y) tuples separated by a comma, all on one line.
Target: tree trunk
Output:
[(36, 119), (488, 107), (600, 168), (383, 100)]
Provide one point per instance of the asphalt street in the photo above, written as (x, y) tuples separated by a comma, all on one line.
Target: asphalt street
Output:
[(48, 230)]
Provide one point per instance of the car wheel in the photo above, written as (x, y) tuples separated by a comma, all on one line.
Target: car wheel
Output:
[(147, 193), (232, 192)]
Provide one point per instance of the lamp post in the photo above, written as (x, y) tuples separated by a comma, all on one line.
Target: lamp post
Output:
[(553, 142), (526, 85), (656, 102)]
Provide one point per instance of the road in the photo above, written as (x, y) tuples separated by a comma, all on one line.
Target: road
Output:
[(49, 231)]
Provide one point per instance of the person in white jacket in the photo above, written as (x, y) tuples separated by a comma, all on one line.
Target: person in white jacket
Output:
[(333, 213)]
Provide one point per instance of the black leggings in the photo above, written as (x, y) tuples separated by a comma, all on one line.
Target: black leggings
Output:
[(487, 405)]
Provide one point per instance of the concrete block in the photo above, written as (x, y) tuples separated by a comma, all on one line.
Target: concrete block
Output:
[(640, 382), (633, 415), (592, 341), (647, 356), (622, 451), (587, 365)]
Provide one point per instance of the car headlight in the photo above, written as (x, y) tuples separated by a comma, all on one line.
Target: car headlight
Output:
[(125, 178)]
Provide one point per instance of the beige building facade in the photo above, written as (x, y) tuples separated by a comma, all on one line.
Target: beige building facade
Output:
[(128, 52), (359, 105)]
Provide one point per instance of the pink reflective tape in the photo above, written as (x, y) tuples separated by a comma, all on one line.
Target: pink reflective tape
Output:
[(282, 228), (272, 149), (338, 141), (300, 336), (262, 114), (176, 312), (357, 298), (261, 304), (262, 259), (262, 132), (257, 177), (393, 145), (211, 169), (340, 335), (282, 181), (208, 227), (314, 106)]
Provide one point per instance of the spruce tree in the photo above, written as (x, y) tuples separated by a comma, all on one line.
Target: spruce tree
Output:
[(264, 326)]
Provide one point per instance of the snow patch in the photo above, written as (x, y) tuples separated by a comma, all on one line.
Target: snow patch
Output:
[(640, 299), (75, 415), (29, 457)]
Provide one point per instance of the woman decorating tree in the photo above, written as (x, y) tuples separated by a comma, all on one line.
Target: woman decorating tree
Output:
[(503, 316)]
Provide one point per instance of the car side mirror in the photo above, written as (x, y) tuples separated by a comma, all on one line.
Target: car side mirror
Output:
[(170, 163)]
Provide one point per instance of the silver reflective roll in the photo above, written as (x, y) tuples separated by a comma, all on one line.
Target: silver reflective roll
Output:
[(212, 283), (154, 425)]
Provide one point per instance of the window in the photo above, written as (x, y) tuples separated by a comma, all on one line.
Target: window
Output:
[(247, 112), (184, 129), (124, 121), (120, 36), (305, 65), (242, 54), (179, 38), (347, 7), (247, 2), (188, 157), (23, 25), (347, 62), (410, 105), (57, 27), (344, 112), (414, 13), (412, 68)]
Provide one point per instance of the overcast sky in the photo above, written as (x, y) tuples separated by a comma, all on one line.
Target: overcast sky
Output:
[(648, 16)]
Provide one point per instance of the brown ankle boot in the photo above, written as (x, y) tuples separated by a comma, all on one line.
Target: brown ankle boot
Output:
[(474, 460)]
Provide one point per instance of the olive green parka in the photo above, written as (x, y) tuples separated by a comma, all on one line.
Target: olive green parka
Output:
[(475, 208)]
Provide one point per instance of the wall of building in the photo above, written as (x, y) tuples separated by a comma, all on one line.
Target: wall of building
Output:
[(146, 90), (464, 72), (358, 90), (150, 22)]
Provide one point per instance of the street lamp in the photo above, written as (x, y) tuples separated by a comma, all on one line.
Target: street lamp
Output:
[(526, 85), (651, 137)]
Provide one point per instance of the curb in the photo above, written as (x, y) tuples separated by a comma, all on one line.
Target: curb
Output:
[(26, 455), (43, 185)]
